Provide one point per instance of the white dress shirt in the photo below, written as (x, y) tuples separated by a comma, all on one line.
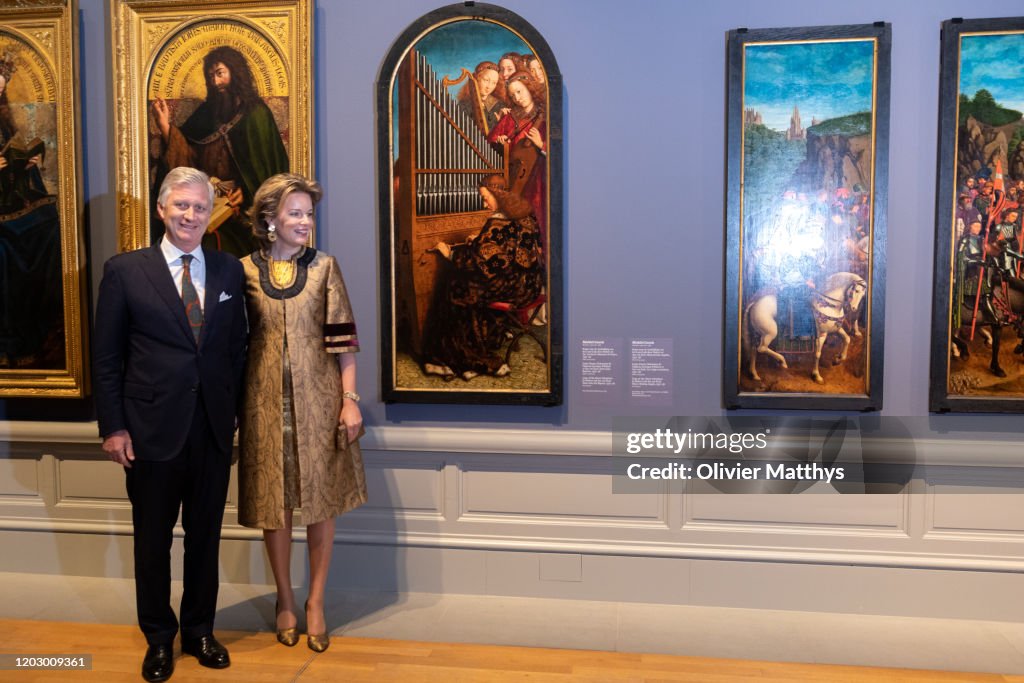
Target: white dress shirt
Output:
[(197, 269)]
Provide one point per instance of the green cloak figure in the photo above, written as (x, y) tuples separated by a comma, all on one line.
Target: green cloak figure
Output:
[(233, 138)]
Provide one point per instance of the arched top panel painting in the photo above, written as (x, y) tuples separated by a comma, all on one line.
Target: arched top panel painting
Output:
[(469, 123), (43, 339), (227, 89), (214, 87)]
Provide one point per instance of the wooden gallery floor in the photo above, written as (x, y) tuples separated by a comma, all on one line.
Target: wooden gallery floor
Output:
[(382, 636), (116, 652)]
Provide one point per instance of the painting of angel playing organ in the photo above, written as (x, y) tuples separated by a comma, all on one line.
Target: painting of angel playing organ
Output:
[(469, 146), (808, 122)]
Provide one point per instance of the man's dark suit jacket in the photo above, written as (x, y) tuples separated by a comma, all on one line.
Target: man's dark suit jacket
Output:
[(149, 370)]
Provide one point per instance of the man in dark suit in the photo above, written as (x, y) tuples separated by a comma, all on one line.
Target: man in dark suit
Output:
[(169, 351)]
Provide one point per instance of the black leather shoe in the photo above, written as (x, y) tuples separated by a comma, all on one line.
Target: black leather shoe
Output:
[(208, 651), (158, 665)]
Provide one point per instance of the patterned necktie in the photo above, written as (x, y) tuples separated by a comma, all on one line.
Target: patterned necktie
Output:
[(190, 297)]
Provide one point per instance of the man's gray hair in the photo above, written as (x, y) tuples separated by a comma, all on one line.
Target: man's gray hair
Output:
[(184, 175)]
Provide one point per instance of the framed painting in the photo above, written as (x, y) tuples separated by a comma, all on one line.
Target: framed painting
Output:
[(226, 89), (42, 255), (808, 135), (469, 126), (978, 303)]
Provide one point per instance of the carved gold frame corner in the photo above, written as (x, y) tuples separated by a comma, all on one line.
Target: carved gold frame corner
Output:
[(140, 29), (50, 29)]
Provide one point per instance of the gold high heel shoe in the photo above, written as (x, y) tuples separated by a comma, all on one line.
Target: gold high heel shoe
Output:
[(317, 642), (286, 636)]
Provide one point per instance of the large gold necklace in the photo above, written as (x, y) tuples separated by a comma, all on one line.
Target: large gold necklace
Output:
[(282, 273)]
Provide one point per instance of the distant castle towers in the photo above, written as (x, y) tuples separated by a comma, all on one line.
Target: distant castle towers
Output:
[(795, 130)]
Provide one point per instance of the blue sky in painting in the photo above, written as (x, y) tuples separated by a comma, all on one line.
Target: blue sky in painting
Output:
[(824, 80), (460, 44), (995, 63)]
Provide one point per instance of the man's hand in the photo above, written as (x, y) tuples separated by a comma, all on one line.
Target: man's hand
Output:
[(118, 447), (235, 199), (163, 116)]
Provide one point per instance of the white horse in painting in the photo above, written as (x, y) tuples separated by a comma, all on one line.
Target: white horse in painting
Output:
[(842, 296)]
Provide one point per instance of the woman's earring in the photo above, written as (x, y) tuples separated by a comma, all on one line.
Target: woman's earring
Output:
[(271, 233)]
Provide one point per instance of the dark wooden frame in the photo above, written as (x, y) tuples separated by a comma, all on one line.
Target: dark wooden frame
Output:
[(939, 397), (732, 396), (389, 391)]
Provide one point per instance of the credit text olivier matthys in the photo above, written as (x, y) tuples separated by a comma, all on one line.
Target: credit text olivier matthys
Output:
[(715, 471)]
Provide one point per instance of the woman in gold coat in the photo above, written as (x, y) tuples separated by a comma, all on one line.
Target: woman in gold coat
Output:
[(301, 419)]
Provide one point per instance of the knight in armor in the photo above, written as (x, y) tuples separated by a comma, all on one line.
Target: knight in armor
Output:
[(794, 296), (1006, 237), (970, 261), (800, 268), (985, 198)]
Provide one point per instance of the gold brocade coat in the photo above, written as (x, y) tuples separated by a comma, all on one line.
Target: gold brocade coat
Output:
[(315, 315)]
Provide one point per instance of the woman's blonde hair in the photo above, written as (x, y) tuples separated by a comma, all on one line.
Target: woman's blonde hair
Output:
[(269, 197)]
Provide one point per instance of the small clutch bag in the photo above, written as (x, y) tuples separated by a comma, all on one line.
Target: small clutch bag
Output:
[(341, 441)]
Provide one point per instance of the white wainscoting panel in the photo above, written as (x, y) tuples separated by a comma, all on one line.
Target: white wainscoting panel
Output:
[(826, 512), (475, 512), (404, 484), (90, 481), (19, 477), (964, 512), (574, 496)]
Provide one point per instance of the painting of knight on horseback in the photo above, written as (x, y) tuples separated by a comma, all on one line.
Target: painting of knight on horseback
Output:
[(806, 218)]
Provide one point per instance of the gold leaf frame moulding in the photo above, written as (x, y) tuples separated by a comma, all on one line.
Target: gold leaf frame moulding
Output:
[(40, 38), (142, 29)]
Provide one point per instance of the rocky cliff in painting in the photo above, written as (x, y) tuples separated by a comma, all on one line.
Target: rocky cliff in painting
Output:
[(980, 145), (838, 154), (1016, 162)]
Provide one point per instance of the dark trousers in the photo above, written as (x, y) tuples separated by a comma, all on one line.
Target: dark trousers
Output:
[(196, 482)]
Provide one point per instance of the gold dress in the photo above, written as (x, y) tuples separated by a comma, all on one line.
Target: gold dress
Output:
[(288, 454)]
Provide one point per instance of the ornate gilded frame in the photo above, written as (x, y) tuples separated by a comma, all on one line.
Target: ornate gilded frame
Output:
[(46, 32), (142, 29)]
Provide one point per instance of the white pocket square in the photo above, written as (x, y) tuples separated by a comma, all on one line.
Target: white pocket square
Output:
[(224, 296)]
